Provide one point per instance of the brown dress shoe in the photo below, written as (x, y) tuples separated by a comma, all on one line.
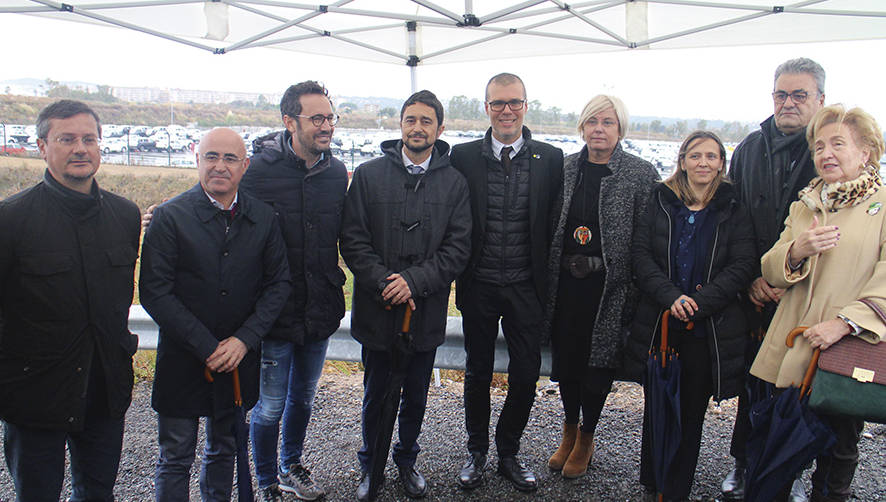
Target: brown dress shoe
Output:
[(577, 463), (570, 431)]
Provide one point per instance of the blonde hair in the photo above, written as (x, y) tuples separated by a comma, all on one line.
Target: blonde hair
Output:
[(678, 181), (865, 131), (602, 102)]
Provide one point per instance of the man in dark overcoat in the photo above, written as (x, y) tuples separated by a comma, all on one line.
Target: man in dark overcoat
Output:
[(406, 237), (67, 261), (768, 168), (514, 182), (214, 277)]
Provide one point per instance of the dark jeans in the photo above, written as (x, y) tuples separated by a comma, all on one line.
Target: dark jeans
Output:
[(36, 460), (413, 401), (586, 396), (178, 442), (696, 389), (520, 312), (289, 376)]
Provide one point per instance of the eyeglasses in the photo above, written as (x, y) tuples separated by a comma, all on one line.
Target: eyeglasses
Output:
[(318, 119), (798, 97), (229, 159), (514, 105), (68, 140)]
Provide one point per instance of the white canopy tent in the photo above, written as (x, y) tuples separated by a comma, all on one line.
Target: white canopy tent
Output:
[(420, 32)]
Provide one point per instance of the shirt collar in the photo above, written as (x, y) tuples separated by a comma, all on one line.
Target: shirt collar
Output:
[(498, 145), (407, 162), (218, 204)]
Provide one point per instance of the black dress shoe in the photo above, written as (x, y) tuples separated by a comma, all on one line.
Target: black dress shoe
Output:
[(523, 478), (733, 486), (471, 474), (413, 483), (363, 494)]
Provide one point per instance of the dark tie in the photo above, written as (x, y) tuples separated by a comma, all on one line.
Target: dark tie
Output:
[(415, 169), (506, 159)]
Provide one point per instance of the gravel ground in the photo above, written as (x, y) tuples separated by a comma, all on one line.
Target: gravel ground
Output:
[(334, 437)]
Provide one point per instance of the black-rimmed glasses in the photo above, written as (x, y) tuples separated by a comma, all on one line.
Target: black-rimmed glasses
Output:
[(514, 105), (318, 119)]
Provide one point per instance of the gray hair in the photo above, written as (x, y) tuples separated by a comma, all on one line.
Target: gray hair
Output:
[(63, 109), (803, 65), (602, 102)]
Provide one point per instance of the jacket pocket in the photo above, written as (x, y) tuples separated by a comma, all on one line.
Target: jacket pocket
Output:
[(119, 280), (45, 285)]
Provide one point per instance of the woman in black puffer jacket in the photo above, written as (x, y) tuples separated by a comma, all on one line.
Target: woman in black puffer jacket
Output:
[(694, 254)]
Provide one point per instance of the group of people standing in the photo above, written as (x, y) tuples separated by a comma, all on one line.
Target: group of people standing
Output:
[(241, 273)]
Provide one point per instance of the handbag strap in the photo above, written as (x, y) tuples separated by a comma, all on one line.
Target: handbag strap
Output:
[(876, 308)]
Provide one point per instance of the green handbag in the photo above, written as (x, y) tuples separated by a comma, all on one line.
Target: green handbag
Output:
[(851, 378)]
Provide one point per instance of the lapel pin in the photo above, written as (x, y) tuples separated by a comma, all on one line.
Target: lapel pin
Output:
[(874, 208)]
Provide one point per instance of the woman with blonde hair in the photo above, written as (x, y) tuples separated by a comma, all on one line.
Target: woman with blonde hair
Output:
[(694, 254), (592, 298), (828, 258)]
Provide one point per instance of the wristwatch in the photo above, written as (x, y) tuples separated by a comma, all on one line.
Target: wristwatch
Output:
[(855, 329)]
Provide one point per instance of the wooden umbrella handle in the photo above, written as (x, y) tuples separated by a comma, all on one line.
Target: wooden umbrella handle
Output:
[(407, 319), (806, 384), (238, 396)]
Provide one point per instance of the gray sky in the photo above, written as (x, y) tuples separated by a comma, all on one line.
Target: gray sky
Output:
[(720, 83)]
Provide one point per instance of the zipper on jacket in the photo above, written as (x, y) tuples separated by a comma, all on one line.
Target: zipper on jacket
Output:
[(670, 232), (711, 318), (504, 224)]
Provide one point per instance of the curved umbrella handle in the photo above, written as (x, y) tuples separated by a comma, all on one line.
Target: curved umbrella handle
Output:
[(238, 396), (407, 319), (663, 347), (806, 384)]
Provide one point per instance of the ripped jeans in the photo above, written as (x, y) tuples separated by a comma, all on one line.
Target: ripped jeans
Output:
[(289, 375)]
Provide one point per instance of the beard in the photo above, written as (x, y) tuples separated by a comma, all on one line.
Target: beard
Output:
[(309, 143), (418, 148)]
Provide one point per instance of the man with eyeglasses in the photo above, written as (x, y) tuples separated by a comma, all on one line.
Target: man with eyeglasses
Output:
[(768, 168), (405, 236), (67, 260), (513, 182), (294, 171), (214, 276)]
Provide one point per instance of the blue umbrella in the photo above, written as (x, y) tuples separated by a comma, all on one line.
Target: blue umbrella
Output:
[(785, 436), (241, 436), (662, 388)]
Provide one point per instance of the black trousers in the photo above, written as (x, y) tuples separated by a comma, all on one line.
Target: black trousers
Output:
[(518, 308), (696, 389), (413, 401)]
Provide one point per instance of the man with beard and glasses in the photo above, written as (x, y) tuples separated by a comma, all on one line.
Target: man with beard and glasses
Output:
[(406, 236), (67, 260), (294, 172)]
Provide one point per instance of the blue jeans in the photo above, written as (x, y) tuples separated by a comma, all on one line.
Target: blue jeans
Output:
[(289, 376), (178, 442), (36, 460)]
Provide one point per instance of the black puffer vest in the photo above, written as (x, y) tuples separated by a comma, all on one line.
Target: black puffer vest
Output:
[(506, 256)]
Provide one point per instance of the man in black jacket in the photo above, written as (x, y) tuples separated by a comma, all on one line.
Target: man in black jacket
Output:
[(294, 172), (405, 236), (514, 182), (214, 277), (768, 168), (67, 259)]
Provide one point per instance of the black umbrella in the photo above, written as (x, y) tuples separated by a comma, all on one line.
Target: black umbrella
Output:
[(661, 383), (401, 354), (241, 436), (785, 436)]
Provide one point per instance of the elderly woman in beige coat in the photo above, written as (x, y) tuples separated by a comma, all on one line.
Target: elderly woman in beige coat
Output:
[(830, 254)]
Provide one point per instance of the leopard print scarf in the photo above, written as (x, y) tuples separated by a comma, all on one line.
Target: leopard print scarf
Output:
[(835, 196)]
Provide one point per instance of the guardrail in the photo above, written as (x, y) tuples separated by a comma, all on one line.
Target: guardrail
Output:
[(342, 347)]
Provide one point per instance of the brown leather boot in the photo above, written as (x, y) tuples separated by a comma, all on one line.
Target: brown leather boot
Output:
[(570, 431), (577, 463)]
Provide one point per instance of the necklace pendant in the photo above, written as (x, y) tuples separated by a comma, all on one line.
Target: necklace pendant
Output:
[(582, 235), (692, 218)]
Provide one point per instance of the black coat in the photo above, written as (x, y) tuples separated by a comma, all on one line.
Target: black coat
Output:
[(416, 225), (308, 204), (546, 177), (67, 262), (202, 284), (729, 264)]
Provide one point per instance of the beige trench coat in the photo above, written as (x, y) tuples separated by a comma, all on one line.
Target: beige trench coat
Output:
[(827, 284)]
